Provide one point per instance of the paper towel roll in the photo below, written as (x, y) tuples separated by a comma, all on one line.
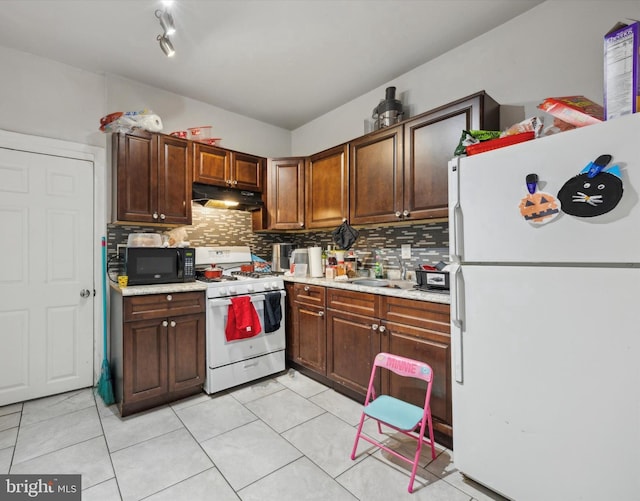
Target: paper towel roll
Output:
[(315, 262)]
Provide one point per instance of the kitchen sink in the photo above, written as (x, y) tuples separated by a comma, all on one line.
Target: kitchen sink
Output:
[(378, 282), (371, 282)]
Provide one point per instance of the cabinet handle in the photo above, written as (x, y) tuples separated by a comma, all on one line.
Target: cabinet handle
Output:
[(155, 215), (173, 323), (235, 181), (321, 313), (405, 213), (165, 323), (162, 216), (398, 213), (306, 288), (301, 224), (169, 297), (374, 327), (382, 328)]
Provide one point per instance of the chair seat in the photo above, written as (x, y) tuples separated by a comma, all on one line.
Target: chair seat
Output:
[(395, 412)]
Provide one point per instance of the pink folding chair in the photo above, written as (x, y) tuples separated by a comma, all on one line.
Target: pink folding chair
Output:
[(398, 414)]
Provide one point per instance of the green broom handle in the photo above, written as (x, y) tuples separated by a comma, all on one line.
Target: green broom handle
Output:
[(104, 296)]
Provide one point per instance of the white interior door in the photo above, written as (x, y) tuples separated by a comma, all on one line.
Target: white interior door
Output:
[(46, 275)]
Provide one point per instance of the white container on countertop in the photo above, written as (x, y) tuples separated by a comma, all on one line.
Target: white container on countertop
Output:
[(315, 262)]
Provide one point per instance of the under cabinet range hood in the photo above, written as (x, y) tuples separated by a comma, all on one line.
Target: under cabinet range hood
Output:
[(226, 198)]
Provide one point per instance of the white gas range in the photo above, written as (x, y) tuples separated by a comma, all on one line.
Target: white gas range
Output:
[(234, 360)]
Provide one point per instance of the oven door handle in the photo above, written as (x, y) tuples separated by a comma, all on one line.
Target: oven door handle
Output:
[(213, 303)]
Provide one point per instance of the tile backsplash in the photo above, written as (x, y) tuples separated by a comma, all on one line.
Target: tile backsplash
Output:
[(219, 227)]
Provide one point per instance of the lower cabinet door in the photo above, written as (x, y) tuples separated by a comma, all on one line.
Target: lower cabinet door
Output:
[(426, 346), (186, 337), (311, 343), (352, 343), (144, 360)]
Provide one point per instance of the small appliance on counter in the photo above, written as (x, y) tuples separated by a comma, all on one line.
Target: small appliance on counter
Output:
[(280, 256), (159, 265), (433, 278)]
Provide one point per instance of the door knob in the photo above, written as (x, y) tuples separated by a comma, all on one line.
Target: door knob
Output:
[(164, 323), (173, 323), (398, 213), (382, 328), (155, 215), (405, 213), (85, 293), (374, 327)]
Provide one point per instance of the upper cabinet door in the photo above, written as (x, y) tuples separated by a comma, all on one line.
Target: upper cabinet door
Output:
[(135, 171), (327, 188), (174, 180), (286, 193), (211, 165), (247, 171), (376, 177), (429, 143), (153, 178)]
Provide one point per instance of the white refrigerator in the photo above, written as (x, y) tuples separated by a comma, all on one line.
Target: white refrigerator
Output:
[(545, 322)]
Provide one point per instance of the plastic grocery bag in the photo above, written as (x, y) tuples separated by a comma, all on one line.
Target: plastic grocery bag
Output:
[(129, 120)]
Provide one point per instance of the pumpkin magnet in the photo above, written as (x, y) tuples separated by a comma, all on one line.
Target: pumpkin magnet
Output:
[(594, 191), (537, 207)]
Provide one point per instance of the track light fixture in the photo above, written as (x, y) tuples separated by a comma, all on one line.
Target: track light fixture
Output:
[(168, 28), (166, 22), (166, 45)]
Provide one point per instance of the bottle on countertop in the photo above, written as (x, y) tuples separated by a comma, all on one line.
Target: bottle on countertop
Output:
[(377, 268)]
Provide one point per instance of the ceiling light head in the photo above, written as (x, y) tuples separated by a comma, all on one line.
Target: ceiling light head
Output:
[(166, 22), (166, 45)]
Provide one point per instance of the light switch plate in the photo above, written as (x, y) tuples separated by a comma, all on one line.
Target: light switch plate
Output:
[(406, 251)]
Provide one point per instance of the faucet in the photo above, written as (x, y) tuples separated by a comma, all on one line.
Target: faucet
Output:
[(403, 270)]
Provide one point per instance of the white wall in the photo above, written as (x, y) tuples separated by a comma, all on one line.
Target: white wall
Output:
[(555, 49), (177, 113), (45, 98)]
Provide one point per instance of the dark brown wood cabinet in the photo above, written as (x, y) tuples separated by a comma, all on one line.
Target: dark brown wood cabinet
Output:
[(356, 327), (285, 193), (420, 330), (376, 177), (399, 173), (152, 177), (327, 188), (308, 327), (430, 140), (157, 348), (227, 168), (353, 337)]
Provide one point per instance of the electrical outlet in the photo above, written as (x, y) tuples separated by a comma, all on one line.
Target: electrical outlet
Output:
[(406, 251)]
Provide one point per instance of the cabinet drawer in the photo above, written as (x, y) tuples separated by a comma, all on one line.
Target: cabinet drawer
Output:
[(354, 302), (423, 314), (313, 295), (163, 305)]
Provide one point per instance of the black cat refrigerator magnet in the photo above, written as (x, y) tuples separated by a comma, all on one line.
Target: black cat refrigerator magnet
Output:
[(593, 192)]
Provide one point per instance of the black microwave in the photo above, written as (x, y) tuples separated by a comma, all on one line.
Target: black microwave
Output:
[(160, 265)]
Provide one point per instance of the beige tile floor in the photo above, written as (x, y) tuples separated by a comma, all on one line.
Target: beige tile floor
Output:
[(283, 438)]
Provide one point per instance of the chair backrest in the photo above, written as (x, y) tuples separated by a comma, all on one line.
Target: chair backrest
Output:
[(404, 366)]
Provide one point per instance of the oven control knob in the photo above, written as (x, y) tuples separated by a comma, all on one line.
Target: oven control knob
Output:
[(274, 285), (232, 290), (250, 288), (222, 291)]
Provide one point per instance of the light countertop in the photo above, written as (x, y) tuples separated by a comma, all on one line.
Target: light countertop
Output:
[(403, 289), (142, 290)]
